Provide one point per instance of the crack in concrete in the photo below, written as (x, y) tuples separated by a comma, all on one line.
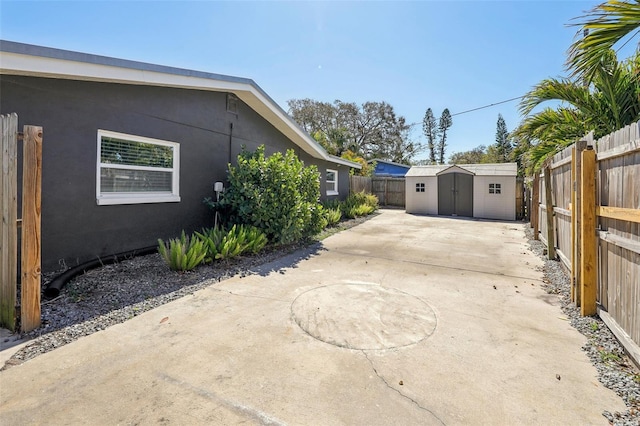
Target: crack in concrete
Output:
[(413, 401)]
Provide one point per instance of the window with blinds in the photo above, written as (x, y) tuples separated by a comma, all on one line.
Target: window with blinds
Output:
[(135, 169)]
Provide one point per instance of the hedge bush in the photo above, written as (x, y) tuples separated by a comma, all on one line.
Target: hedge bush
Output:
[(276, 194)]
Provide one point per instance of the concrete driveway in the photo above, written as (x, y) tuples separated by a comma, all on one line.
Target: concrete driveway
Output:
[(409, 320)]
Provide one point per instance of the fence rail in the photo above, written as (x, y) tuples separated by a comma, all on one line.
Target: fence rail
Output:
[(594, 226)]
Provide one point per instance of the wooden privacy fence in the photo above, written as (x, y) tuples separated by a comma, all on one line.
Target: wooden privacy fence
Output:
[(390, 191), (30, 224), (592, 190)]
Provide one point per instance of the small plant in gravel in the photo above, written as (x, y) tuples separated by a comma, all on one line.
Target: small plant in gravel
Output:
[(594, 326), (359, 204), (607, 356), (222, 244), (333, 216), (182, 254)]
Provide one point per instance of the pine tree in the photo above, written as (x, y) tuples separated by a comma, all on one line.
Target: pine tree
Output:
[(430, 130), (443, 125), (503, 141)]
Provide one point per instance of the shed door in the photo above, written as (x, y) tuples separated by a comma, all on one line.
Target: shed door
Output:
[(455, 194)]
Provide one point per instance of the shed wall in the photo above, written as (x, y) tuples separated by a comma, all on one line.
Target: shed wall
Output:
[(494, 206), (422, 202)]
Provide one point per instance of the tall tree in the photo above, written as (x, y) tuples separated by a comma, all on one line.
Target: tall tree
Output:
[(473, 156), (503, 141), (444, 124), (430, 129), (372, 130), (601, 28)]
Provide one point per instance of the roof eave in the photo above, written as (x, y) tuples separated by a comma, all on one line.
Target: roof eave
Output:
[(29, 60)]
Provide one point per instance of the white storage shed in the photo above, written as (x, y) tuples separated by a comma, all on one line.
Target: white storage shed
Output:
[(486, 191)]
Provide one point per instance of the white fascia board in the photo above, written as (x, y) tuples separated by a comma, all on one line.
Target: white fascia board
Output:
[(28, 65), (343, 162)]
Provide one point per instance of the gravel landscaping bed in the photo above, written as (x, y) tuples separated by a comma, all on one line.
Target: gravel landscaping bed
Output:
[(615, 370)]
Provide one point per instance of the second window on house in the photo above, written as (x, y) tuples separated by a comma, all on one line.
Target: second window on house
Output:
[(332, 182)]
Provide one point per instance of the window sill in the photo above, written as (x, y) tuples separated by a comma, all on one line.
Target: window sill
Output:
[(108, 201), (333, 193)]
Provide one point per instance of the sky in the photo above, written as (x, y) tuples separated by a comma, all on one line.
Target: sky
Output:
[(413, 55)]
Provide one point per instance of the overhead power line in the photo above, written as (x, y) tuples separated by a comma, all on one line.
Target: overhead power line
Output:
[(487, 106)]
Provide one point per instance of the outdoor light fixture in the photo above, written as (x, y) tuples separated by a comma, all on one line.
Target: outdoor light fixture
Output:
[(218, 187)]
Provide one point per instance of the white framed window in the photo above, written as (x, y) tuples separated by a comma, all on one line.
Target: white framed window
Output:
[(135, 169), (495, 188), (420, 187), (332, 182)]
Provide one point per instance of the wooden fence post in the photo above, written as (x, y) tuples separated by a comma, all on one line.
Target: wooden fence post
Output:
[(8, 226), (535, 206), (576, 220), (31, 210), (588, 239), (574, 217), (551, 245)]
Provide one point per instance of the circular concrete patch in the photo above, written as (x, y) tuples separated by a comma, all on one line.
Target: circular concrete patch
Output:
[(361, 316)]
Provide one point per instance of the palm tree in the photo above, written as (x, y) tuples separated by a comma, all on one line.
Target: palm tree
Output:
[(604, 26), (609, 103)]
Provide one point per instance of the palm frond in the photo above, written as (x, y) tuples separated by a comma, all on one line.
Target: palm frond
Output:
[(607, 24)]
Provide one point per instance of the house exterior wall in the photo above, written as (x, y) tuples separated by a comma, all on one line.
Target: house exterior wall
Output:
[(494, 206), (76, 229), (422, 202)]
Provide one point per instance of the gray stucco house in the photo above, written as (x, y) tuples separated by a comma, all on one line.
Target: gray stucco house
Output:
[(173, 132)]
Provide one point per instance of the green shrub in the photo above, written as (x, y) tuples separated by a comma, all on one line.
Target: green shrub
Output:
[(222, 244), (359, 204), (332, 216), (182, 254), (277, 195), (331, 204), (256, 239), (359, 210), (359, 198)]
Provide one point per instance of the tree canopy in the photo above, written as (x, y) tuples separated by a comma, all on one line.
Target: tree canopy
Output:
[(371, 130)]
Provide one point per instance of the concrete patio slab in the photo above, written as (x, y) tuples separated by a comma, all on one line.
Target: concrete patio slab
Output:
[(404, 319)]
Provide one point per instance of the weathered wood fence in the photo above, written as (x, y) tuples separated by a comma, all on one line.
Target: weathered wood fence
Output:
[(30, 224), (592, 190), (390, 191)]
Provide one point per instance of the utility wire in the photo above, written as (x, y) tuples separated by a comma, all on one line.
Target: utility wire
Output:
[(476, 109), (625, 43), (487, 106)]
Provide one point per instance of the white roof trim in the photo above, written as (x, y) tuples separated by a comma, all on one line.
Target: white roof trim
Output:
[(493, 169), (454, 169), (28, 60)]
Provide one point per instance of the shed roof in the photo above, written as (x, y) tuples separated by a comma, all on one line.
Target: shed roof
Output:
[(30, 60), (492, 169)]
